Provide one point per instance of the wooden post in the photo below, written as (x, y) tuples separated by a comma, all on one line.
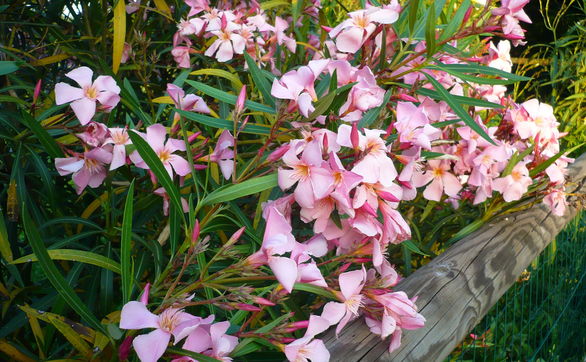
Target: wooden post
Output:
[(457, 288)]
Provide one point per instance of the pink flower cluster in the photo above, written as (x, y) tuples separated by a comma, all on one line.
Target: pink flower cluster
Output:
[(234, 30), (201, 334)]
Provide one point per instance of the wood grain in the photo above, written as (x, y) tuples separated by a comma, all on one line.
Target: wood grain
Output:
[(457, 288)]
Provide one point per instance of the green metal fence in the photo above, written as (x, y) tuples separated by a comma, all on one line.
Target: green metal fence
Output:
[(543, 316)]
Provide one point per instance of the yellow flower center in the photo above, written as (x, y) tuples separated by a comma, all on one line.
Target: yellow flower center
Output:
[(119, 138), (164, 155), (437, 172), (90, 92), (169, 319)]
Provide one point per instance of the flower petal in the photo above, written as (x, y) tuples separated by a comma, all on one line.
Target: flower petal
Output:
[(150, 347), (84, 110), (135, 315)]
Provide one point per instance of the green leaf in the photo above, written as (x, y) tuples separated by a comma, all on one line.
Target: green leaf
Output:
[(413, 10), (235, 191), (55, 278), (197, 356), (260, 80), (314, 289), (150, 158), (456, 21), (515, 159), (42, 135), (409, 244), (542, 166), (470, 228), (81, 256), (227, 97), (322, 105), (7, 67), (252, 128), (430, 31), (126, 245), (457, 108), (483, 69), (470, 78), (460, 99), (5, 249)]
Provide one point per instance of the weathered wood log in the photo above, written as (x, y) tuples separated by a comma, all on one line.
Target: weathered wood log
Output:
[(457, 288)]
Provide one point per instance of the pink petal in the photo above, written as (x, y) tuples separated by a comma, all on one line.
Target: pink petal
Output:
[(225, 51), (180, 165), (434, 190), (175, 93), (155, 136), (285, 270), (286, 178), (333, 312), (84, 110), (68, 165), (135, 315), (199, 340), (65, 93), (350, 40), (118, 157), (351, 283), (304, 194), (322, 182), (82, 75), (304, 103), (227, 167), (81, 180), (280, 91), (106, 83), (150, 347), (318, 351), (451, 184), (316, 325), (108, 99)]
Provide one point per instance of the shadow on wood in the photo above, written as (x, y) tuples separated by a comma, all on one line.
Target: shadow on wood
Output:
[(457, 288)]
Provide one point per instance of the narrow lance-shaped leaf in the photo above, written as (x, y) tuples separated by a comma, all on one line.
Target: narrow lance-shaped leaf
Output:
[(43, 136), (260, 80), (460, 112), (80, 256), (119, 34), (227, 97), (54, 276), (126, 245), (430, 31), (234, 191), (456, 21)]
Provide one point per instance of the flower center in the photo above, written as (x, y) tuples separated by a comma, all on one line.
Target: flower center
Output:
[(302, 171), (437, 172), (516, 175), (92, 165), (361, 21), (169, 319), (354, 303), (164, 155), (120, 138), (225, 36), (90, 92)]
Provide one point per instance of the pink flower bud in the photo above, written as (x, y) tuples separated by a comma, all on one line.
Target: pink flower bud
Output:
[(354, 137), (263, 301), (406, 97), (247, 307), (467, 15), (199, 167), (37, 91), (388, 196), (366, 207), (287, 340), (405, 184), (144, 297), (193, 137), (362, 260), (490, 29), (153, 177), (224, 21), (195, 232), (514, 36), (344, 267), (326, 28), (325, 144), (237, 234), (299, 324), (278, 153), (240, 100), (500, 11), (124, 349)]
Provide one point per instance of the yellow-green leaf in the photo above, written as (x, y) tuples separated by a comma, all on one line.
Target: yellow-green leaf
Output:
[(119, 34), (220, 73), (75, 255), (5, 250), (163, 7)]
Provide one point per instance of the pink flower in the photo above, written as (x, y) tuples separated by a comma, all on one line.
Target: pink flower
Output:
[(211, 340), (119, 138), (95, 134), (351, 284), (227, 43), (181, 56), (513, 186), (155, 136), (150, 347), (363, 96), (500, 57), (441, 180), (223, 154), (375, 165), (556, 200), (313, 178), (280, 27), (353, 32), (189, 102), (87, 170), (103, 90), (306, 348), (413, 126)]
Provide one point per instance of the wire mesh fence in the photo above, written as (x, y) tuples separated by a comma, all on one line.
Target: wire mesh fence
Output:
[(543, 316)]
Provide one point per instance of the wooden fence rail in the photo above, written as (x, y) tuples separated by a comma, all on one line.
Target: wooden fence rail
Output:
[(457, 288)]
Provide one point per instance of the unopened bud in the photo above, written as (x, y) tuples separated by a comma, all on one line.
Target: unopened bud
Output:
[(124, 349), (406, 97), (354, 136), (224, 21), (247, 307), (388, 196), (37, 91), (405, 184), (467, 15), (240, 100), (263, 301), (193, 137), (514, 36), (153, 177), (195, 232), (278, 153), (326, 28), (366, 207), (144, 297), (234, 238), (344, 267), (491, 28)]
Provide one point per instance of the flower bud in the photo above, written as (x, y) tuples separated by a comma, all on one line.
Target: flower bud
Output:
[(240, 100), (144, 297), (278, 153), (124, 349), (467, 15), (354, 137), (388, 196), (195, 232), (247, 307), (406, 97), (153, 177), (234, 238), (37, 91), (193, 137), (263, 301)]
